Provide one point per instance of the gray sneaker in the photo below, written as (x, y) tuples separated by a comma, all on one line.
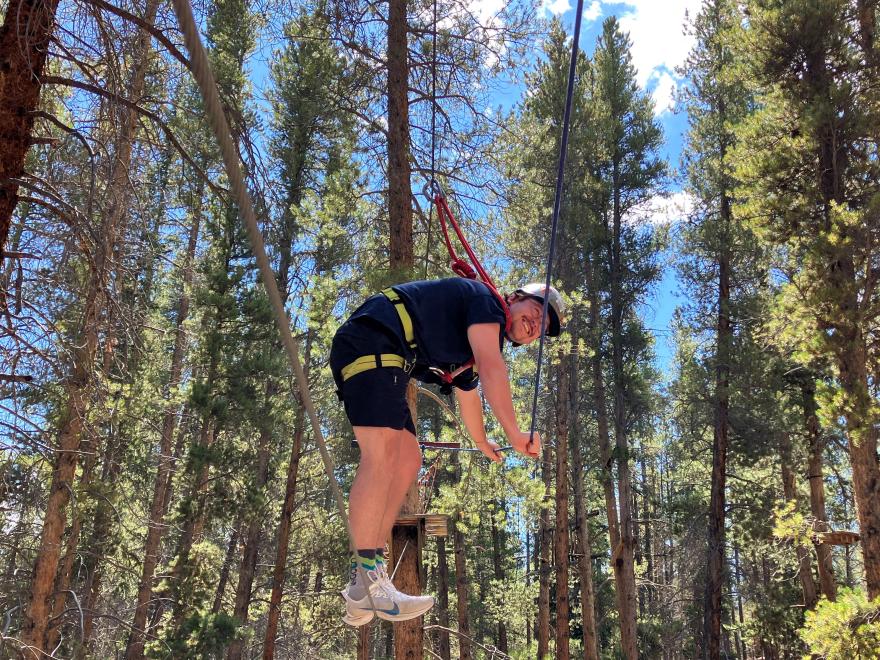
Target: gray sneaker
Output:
[(390, 604)]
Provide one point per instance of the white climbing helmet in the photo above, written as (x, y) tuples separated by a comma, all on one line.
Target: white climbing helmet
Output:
[(555, 304)]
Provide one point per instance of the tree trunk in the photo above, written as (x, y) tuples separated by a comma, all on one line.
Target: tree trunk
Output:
[(715, 541), (192, 521), (769, 648), (409, 636), (282, 541), (101, 539), (583, 548), (863, 457), (497, 552), (560, 544), (24, 45), (261, 477), (62, 582), (530, 624), (156, 526), (461, 593), (226, 566), (817, 486), (364, 634), (741, 645), (79, 384), (867, 29), (79, 389), (623, 553), (625, 607), (399, 189), (648, 510), (637, 541), (252, 536), (789, 490), (543, 549), (443, 648), (848, 341)]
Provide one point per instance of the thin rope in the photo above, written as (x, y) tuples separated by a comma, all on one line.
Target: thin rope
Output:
[(433, 128), (495, 652), (557, 202), (207, 85)]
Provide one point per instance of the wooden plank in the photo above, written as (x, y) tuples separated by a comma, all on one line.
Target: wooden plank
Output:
[(433, 524)]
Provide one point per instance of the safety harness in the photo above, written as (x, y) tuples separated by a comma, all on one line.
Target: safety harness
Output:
[(471, 271), (367, 362)]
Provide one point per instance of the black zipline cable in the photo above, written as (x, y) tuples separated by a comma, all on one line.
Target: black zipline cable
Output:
[(557, 202)]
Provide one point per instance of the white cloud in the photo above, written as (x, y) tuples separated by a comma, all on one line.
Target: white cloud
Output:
[(594, 11), (655, 29), (557, 7), (668, 210), (486, 10), (663, 92)]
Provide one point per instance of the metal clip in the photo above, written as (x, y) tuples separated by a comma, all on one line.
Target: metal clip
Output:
[(432, 189)]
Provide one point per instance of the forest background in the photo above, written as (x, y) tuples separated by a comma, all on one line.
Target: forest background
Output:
[(160, 491)]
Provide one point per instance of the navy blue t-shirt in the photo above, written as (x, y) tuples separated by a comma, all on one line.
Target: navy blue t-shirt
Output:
[(441, 312)]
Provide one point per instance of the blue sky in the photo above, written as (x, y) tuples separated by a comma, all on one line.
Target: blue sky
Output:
[(659, 47)]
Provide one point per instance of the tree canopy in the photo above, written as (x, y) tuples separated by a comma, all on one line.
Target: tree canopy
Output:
[(160, 492)]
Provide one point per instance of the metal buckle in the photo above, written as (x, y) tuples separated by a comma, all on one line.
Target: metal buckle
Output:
[(408, 366)]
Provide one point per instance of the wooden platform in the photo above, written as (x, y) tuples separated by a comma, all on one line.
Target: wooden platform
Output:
[(430, 524), (836, 538)]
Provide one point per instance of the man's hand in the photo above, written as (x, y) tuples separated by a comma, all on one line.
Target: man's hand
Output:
[(526, 445), (490, 450), (472, 416)]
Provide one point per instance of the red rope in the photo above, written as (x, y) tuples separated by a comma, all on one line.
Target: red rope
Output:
[(459, 266)]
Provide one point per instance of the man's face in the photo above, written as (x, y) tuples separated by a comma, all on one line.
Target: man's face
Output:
[(525, 315)]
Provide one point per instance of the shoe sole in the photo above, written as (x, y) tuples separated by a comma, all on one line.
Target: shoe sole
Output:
[(357, 621), (403, 616)]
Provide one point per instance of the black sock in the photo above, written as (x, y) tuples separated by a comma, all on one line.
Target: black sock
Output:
[(367, 554)]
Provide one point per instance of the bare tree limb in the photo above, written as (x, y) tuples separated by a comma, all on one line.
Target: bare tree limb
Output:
[(147, 27), (15, 378), (152, 116)]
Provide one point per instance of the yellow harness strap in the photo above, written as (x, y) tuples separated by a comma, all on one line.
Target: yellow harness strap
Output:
[(368, 362), (405, 319)]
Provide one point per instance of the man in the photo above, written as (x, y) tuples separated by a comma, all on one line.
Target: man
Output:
[(417, 330)]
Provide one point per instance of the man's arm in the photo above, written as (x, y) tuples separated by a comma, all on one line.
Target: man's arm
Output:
[(483, 338), (472, 415)]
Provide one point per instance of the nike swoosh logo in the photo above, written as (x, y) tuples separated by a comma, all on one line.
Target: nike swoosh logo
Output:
[(394, 610)]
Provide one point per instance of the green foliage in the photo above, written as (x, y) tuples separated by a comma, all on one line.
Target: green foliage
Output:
[(201, 636), (790, 524), (202, 633), (846, 629)]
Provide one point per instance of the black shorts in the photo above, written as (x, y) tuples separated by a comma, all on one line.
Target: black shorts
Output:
[(375, 397)]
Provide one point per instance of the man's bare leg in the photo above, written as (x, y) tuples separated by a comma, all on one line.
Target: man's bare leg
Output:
[(374, 479), (390, 461), (406, 468)]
